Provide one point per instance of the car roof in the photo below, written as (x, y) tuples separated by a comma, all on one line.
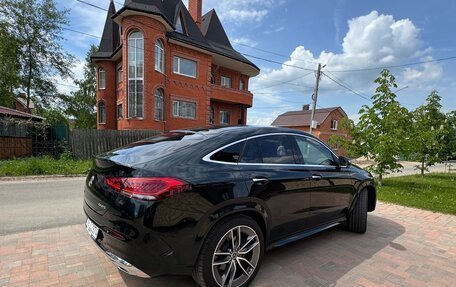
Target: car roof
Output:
[(244, 131)]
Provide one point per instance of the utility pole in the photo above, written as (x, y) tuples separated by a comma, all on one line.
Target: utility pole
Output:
[(314, 97)]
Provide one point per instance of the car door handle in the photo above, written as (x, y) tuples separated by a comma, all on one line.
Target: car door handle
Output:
[(260, 180), (316, 177)]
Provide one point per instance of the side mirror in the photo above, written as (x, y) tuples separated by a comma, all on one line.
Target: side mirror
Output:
[(344, 162)]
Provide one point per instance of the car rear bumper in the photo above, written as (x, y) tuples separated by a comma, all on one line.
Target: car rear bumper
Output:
[(122, 264), (145, 254)]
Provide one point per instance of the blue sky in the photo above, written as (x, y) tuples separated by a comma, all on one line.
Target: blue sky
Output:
[(342, 34)]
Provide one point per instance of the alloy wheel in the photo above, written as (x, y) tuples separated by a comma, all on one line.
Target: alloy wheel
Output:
[(236, 256)]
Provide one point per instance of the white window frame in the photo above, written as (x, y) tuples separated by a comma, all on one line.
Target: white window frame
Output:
[(226, 82), (159, 56), (222, 117), (159, 101), (334, 125), (138, 45), (241, 85), (101, 120), (179, 106), (101, 79), (178, 71)]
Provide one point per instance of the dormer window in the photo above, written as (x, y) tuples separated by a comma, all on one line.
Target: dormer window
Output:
[(179, 26), (334, 124)]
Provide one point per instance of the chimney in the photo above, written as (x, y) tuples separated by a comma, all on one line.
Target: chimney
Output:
[(305, 107), (195, 7)]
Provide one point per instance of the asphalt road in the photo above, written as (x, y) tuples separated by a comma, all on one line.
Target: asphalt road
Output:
[(40, 204)]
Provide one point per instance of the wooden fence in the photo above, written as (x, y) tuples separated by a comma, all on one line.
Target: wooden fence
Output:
[(84, 144)]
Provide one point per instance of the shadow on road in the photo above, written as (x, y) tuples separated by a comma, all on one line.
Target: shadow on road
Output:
[(318, 260)]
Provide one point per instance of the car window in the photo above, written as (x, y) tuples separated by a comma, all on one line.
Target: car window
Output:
[(229, 154), (251, 153), (313, 152), (277, 149)]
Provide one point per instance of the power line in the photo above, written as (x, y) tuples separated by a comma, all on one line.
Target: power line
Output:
[(347, 88), (272, 53), (286, 82), (275, 62), (394, 66), (93, 5), (66, 85), (79, 32)]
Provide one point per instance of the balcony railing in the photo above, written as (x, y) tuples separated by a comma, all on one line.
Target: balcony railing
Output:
[(232, 95)]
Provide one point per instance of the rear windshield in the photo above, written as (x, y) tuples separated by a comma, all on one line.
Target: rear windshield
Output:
[(155, 147)]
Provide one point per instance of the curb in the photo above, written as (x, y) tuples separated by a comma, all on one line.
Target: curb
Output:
[(41, 177)]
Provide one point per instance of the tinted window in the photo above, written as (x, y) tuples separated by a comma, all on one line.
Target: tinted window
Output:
[(229, 154), (313, 152), (251, 153), (156, 147), (276, 149)]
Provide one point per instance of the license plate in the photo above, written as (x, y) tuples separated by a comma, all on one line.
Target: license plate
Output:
[(92, 229)]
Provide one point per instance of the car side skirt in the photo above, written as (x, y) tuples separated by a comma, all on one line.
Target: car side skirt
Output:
[(305, 233)]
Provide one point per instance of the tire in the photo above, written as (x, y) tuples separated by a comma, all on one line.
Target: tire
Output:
[(357, 220), (220, 239)]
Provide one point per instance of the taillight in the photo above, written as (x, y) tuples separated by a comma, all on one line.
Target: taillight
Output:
[(153, 188)]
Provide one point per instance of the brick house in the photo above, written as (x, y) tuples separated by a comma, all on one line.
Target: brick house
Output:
[(328, 121), (162, 66)]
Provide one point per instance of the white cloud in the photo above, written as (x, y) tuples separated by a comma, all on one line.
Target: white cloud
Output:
[(372, 40), (89, 20), (427, 73), (244, 41), (242, 11), (66, 86)]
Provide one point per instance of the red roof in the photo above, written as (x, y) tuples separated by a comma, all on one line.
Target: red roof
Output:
[(302, 118), (16, 113)]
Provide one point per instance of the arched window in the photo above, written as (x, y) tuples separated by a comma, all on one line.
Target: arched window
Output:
[(101, 113), (159, 56), (135, 75), (159, 116), (101, 79)]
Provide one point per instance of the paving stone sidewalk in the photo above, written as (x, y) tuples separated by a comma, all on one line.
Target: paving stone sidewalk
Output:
[(403, 247)]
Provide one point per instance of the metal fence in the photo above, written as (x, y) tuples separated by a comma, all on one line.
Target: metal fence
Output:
[(84, 144)]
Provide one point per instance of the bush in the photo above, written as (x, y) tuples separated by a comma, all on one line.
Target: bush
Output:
[(44, 165)]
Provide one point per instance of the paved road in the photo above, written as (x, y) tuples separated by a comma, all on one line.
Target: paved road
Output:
[(39, 204), (402, 247)]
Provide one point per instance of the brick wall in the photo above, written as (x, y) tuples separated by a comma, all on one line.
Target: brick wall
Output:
[(12, 147), (176, 87)]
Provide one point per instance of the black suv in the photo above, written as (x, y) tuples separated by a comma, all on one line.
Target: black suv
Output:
[(211, 202)]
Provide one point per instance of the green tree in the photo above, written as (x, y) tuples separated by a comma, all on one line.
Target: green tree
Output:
[(80, 106), (429, 132), (37, 27), (382, 131), (449, 142), (9, 66)]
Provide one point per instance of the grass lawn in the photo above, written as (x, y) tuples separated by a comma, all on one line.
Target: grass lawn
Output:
[(435, 191), (44, 166)]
